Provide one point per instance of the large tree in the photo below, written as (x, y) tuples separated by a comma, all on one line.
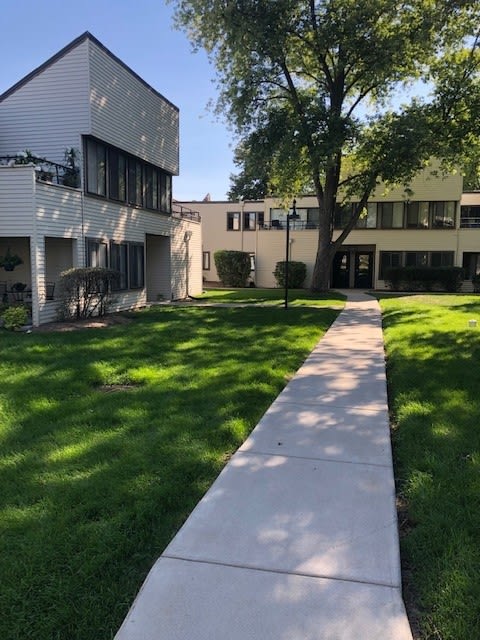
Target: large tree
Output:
[(312, 88)]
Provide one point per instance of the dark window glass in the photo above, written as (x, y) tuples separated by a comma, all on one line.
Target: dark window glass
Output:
[(442, 214), (96, 253), (96, 168), (416, 259), (233, 221), (135, 182), (116, 175), (136, 266), (391, 215), (389, 259), (441, 259), (249, 220), (417, 215), (343, 214), (119, 262)]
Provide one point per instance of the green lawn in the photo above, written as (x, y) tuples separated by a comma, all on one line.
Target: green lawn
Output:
[(433, 361), (296, 297), (109, 437)]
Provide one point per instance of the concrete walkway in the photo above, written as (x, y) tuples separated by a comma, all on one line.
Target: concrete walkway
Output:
[(297, 538)]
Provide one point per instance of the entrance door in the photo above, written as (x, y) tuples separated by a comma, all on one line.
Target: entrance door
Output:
[(363, 269), (341, 270)]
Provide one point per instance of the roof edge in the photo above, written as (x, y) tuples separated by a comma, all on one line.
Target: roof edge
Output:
[(69, 47)]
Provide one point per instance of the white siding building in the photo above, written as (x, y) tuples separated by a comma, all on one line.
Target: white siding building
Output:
[(117, 210)]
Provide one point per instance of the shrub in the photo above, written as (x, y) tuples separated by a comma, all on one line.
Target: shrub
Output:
[(15, 317), (297, 272), (476, 283), (86, 291), (233, 267), (424, 278)]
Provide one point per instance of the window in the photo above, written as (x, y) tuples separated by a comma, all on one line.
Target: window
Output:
[(165, 192), (96, 253), (416, 259), (117, 174), (252, 262), (442, 215), (343, 214), (313, 218), (136, 266), (368, 219), (233, 221), (114, 174), (417, 215), (119, 262), (206, 261), (441, 259), (389, 259), (249, 220), (470, 217), (96, 168), (390, 215)]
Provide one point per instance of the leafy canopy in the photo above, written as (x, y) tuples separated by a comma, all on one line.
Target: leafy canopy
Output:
[(312, 89)]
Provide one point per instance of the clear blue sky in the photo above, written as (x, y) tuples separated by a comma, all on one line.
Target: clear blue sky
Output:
[(141, 34)]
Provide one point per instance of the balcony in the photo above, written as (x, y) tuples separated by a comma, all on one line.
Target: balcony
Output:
[(469, 223), (46, 170)]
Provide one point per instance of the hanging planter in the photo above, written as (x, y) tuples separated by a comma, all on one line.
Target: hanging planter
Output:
[(10, 260)]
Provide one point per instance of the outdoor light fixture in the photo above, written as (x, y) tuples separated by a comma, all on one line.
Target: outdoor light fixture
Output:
[(290, 216)]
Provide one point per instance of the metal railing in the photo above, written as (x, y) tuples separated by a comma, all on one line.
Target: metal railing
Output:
[(179, 211), (45, 170), (469, 223)]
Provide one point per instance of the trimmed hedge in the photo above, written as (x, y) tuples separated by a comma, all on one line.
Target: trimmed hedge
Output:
[(297, 272), (424, 278), (233, 267)]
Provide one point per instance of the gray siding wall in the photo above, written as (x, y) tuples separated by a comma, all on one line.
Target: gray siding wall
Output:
[(49, 112), (129, 115), (17, 205)]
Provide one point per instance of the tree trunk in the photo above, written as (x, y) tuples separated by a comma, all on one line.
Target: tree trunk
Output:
[(323, 260)]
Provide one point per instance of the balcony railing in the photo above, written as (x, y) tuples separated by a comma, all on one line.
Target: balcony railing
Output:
[(179, 211), (469, 223), (45, 170)]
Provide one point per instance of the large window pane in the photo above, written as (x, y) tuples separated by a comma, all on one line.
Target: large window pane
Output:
[(443, 214), (116, 175), (119, 262), (417, 215), (416, 259), (96, 168), (233, 221), (136, 266), (389, 259), (96, 253)]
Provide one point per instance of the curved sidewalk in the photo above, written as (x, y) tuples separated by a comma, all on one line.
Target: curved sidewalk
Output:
[(297, 538)]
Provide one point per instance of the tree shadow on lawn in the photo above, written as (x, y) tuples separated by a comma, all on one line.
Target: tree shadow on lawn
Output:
[(95, 484)]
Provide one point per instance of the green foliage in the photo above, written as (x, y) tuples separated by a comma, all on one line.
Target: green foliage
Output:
[(233, 267), (14, 317), (86, 291), (297, 272), (309, 88), (425, 278)]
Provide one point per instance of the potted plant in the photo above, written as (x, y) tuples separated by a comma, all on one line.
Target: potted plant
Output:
[(10, 260)]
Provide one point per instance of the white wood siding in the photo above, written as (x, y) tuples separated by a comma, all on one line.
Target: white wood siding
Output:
[(17, 204), (157, 270), (48, 113), (129, 115), (186, 259)]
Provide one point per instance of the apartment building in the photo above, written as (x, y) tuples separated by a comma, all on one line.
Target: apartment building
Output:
[(88, 151), (431, 223)]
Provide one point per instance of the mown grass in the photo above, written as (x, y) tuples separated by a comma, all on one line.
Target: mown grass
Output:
[(96, 478), (433, 361), (296, 297)]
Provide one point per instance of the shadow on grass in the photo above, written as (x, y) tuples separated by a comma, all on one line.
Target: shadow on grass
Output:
[(433, 362), (95, 484)]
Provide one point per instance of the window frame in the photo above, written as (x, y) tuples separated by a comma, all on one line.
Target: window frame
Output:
[(233, 216), (205, 260), (97, 244)]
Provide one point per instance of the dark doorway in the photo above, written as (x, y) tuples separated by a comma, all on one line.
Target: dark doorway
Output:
[(471, 264), (363, 270), (341, 270)]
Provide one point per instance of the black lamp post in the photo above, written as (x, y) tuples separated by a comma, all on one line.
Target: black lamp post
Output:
[(290, 216)]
